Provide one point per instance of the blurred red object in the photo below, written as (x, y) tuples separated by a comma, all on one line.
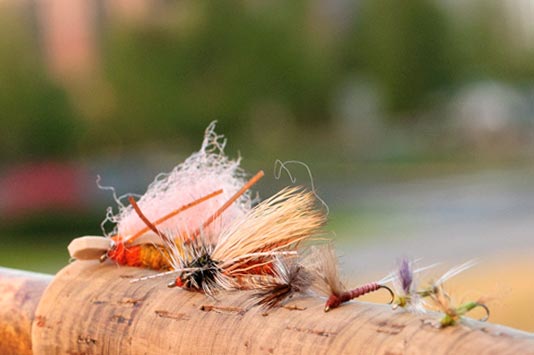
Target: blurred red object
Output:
[(46, 186)]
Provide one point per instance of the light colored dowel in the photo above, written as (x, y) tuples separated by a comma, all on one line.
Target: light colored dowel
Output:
[(20, 293), (92, 308)]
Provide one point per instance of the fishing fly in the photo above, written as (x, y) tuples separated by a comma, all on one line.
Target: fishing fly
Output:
[(452, 314), (439, 299), (405, 282), (206, 182), (289, 277), (249, 246), (329, 283)]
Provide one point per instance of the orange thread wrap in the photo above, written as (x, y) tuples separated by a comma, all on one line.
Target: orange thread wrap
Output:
[(145, 255)]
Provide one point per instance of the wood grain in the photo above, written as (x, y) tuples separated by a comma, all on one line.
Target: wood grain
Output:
[(92, 308), (20, 293)]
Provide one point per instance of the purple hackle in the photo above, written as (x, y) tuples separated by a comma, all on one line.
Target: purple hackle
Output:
[(405, 275)]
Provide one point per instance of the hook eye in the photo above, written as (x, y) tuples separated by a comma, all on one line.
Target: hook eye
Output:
[(390, 292), (482, 305)]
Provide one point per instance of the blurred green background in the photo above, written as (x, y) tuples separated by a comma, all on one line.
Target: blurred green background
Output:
[(416, 118)]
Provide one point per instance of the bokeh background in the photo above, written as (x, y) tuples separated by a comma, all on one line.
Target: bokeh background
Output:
[(416, 118)]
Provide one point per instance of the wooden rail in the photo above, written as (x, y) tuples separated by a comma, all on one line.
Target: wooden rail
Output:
[(92, 308), (20, 293)]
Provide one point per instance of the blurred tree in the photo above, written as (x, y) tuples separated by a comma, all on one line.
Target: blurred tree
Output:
[(226, 58), (37, 120), (494, 42), (406, 48)]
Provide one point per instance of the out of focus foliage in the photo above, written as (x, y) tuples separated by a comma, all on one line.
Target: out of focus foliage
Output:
[(221, 64), (37, 120), (407, 50), (281, 65)]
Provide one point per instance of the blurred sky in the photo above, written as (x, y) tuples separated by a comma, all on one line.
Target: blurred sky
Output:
[(415, 117)]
